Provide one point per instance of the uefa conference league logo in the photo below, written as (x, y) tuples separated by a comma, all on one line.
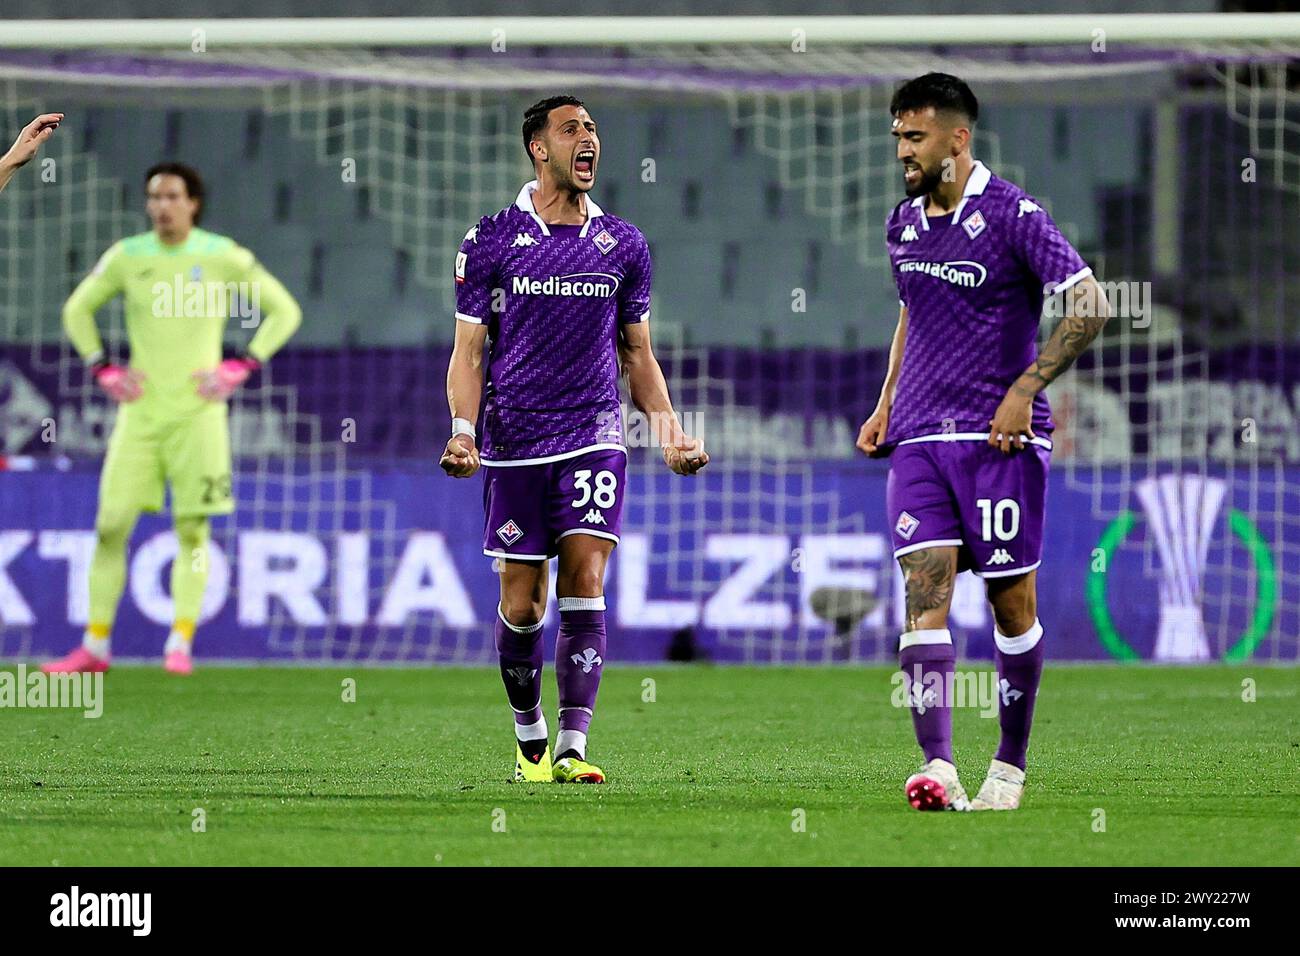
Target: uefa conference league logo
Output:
[(1182, 511)]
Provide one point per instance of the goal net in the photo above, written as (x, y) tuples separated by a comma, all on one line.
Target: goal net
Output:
[(761, 170)]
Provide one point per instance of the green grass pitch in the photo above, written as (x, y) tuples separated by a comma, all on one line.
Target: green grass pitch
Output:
[(719, 769)]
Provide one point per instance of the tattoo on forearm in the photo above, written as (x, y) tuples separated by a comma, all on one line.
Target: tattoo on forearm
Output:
[(928, 575), (1068, 341)]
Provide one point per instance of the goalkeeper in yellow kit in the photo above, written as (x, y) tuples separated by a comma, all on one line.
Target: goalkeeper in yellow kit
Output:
[(181, 284)]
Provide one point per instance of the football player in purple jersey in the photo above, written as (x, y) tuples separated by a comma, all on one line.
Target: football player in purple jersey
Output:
[(557, 293), (963, 415)]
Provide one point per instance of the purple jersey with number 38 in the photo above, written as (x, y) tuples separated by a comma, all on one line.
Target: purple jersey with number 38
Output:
[(553, 298)]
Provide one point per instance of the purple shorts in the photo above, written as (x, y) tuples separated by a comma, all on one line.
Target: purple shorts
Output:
[(972, 496), (529, 508)]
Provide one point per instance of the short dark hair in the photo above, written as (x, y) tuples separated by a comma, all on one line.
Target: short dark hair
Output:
[(537, 115), (193, 182), (943, 91)]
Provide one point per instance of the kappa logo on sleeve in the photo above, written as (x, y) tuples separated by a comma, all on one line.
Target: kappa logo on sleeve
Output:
[(1028, 206)]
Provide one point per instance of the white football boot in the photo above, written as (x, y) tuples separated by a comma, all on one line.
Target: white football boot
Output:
[(936, 787), (1002, 788)]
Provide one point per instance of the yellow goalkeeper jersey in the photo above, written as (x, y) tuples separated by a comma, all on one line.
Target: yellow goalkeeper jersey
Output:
[(178, 299)]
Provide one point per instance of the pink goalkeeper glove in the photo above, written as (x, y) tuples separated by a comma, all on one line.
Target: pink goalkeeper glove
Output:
[(120, 383), (218, 384)]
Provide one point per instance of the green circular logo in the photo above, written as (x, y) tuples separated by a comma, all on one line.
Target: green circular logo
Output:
[(1261, 618)]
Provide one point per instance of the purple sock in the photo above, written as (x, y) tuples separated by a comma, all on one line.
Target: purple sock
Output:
[(579, 659), (1019, 670), (520, 650), (932, 666)]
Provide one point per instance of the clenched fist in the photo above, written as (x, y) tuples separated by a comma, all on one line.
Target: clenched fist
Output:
[(685, 455), (460, 459)]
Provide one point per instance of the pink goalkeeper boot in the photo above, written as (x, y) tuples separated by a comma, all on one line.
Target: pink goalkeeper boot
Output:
[(178, 662), (79, 661)]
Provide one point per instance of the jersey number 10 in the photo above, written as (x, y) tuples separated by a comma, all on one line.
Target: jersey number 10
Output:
[(1002, 519)]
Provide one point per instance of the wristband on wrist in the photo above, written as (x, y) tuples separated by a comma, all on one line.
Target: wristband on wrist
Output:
[(462, 426)]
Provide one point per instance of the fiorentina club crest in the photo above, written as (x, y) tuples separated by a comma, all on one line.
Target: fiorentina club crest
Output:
[(973, 224), (604, 241), (510, 532), (523, 675), (587, 659), (906, 526)]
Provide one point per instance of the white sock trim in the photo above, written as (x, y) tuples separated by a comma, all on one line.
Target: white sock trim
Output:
[(581, 604), (99, 646), (176, 641), (533, 731), (1022, 644), (933, 635), (530, 629), (572, 740)]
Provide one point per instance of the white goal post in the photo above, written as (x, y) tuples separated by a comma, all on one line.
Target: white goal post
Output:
[(568, 31)]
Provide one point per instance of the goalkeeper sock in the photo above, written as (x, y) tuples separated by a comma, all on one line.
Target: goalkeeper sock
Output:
[(189, 573), (107, 572), (96, 640), (928, 661), (1020, 666), (181, 637), (579, 660)]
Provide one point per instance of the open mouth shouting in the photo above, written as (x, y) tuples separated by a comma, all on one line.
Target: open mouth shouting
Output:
[(584, 165)]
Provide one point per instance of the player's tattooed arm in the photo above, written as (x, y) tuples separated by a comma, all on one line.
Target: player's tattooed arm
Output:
[(460, 458), (683, 453), (928, 576), (1086, 312)]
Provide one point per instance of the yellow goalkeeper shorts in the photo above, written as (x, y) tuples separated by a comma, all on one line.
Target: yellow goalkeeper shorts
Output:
[(192, 454)]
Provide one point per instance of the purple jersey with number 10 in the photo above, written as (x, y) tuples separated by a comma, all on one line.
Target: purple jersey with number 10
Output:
[(553, 298), (973, 285)]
